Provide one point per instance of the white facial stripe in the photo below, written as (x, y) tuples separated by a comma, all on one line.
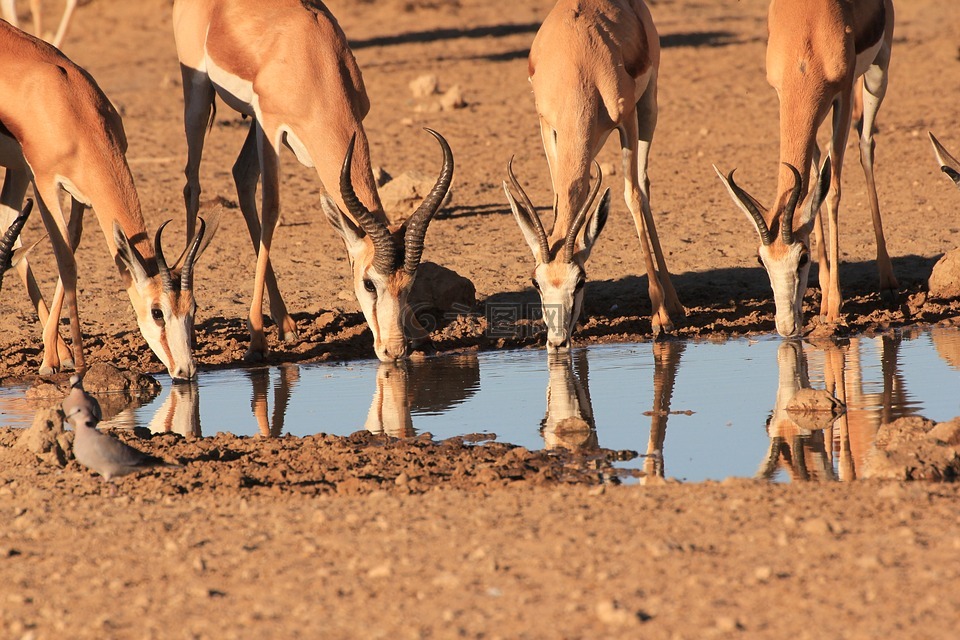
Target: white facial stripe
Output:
[(789, 282), (171, 341), (560, 304)]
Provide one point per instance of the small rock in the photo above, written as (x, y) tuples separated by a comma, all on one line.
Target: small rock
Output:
[(763, 573), (46, 438), (814, 409), (452, 99), (946, 432), (944, 282), (608, 169), (380, 571), (726, 624), (381, 176), (816, 527), (610, 612), (402, 196), (443, 290), (425, 85)]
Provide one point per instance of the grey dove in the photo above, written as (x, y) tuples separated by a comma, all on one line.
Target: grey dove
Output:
[(95, 450)]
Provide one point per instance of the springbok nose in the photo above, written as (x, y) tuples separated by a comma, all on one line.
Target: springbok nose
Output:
[(563, 345), (184, 373), (395, 352)]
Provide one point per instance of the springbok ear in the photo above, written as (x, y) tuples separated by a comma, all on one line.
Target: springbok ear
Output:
[(595, 224), (348, 230), (129, 256), (816, 198), (522, 216), (211, 224), (21, 253), (948, 164), (747, 203)]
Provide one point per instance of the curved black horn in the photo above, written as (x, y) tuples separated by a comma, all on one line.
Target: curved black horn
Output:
[(186, 273), (384, 253), (165, 278), (416, 226), (569, 244), (531, 213), (765, 236), (10, 236), (786, 222)]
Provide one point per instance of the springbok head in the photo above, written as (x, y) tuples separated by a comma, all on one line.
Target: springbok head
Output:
[(165, 303), (784, 255), (559, 274), (8, 255), (948, 164), (384, 260)]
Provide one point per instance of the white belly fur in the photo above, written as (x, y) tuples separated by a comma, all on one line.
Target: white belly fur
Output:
[(240, 96), (866, 58)]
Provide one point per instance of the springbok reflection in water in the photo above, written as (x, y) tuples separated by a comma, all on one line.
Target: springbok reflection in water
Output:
[(390, 410), (837, 450), (432, 386), (568, 422), (282, 389), (666, 362), (180, 412)]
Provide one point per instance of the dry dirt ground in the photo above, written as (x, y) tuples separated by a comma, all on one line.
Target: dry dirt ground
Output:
[(325, 537)]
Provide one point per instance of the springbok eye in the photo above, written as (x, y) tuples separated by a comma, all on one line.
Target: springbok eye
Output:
[(536, 285), (804, 259), (157, 314), (369, 286)]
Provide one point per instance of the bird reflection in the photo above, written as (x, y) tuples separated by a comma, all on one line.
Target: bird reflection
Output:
[(282, 390), (666, 363), (802, 452), (180, 412), (836, 450), (568, 423)]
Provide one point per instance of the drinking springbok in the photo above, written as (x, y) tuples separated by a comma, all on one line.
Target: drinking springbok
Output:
[(287, 65), (816, 51), (593, 66)]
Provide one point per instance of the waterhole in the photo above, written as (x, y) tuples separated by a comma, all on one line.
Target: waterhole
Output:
[(690, 410)]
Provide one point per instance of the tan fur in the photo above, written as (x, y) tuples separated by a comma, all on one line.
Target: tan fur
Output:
[(72, 137), (593, 67)]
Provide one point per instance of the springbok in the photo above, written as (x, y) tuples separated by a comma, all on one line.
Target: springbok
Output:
[(948, 164), (816, 51), (593, 66), (9, 10), (58, 130), (288, 65)]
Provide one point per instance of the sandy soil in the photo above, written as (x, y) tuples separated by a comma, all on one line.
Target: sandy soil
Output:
[(290, 538)]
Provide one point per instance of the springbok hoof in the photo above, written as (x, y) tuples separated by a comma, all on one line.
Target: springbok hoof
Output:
[(46, 370), (290, 337), (662, 329), (890, 298), (253, 356), (67, 365)]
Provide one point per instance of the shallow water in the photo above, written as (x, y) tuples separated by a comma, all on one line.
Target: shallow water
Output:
[(693, 410)]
